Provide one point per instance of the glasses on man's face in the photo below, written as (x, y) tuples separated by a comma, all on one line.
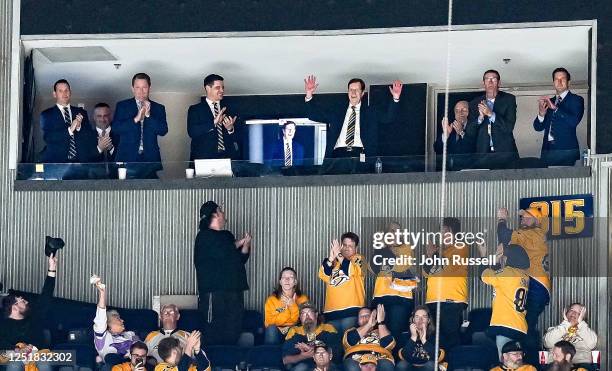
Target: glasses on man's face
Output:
[(168, 312), (493, 79), (136, 355)]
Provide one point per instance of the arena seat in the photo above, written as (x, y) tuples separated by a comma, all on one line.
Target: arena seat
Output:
[(265, 357), (472, 357), (225, 357)]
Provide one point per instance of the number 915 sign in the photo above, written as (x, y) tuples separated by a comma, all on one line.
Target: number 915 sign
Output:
[(569, 216)]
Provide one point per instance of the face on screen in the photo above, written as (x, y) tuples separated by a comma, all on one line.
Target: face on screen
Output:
[(289, 131)]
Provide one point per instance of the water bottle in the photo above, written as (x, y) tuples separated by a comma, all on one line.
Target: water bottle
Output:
[(586, 153), (378, 166)]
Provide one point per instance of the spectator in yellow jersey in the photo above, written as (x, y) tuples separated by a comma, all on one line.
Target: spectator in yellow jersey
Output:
[(394, 285), (563, 354), (576, 330), (169, 316), (512, 358), (298, 348), (177, 358), (531, 237), (281, 308), (342, 272), (372, 337), (138, 358), (510, 285), (447, 284), (418, 346)]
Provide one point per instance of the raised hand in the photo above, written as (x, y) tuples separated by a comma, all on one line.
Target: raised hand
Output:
[(229, 121), (334, 250), (430, 249), (542, 106), (458, 127), (104, 142), (373, 318), (52, 262), (220, 117), (76, 123), (448, 129), (484, 109), (582, 314), (396, 89), (147, 108), (482, 248), (551, 105), (140, 115), (310, 85), (380, 313), (414, 333)]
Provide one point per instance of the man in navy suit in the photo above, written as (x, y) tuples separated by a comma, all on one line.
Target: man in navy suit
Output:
[(288, 152), (104, 150), (66, 129), (459, 146), (559, 120), (211, 129), (139, 121), (352, 130), (493, 116)]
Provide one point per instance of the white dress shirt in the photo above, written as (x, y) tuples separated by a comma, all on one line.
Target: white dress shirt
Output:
[(341, 142)]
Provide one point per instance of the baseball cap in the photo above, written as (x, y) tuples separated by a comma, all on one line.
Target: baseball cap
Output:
[(308, 305), (368, 358), (207, 209), (512, 346)]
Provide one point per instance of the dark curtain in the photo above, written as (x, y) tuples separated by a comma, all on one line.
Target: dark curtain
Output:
[(29, 96)]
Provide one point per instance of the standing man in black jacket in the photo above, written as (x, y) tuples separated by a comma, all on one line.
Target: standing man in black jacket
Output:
[(219, 260), (24, 322), (492, 118)]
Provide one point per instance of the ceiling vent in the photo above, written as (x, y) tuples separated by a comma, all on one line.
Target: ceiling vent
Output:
[(77, 54)]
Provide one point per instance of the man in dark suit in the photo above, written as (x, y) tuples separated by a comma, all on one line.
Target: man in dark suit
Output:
[(288, 152), (66, 129), (211, 130), (493, 116), (104, 150), (139, 121), (559, 121), (352, 129), (459, 146)]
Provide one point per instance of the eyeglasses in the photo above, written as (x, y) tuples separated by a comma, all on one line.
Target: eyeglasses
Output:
[(168, 312), (138, 355)]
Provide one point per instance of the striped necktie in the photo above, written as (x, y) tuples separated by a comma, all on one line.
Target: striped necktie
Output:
[(220, 142), (288, 155), (350, 130), (72, 151), (141, 144)]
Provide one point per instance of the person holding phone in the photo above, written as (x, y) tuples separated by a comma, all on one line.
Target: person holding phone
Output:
[(138, 356)]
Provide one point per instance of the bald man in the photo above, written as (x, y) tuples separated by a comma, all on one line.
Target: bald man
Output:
[(459, 145)]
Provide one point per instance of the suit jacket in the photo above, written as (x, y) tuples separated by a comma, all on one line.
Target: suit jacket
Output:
[(368, 123), (57, 138), (99, 157), (455, 144), (501, 130), (278, 153), (564, 122), (123, 125), (203, 133)]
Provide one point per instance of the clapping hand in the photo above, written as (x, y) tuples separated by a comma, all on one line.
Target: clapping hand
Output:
[(483, 109), (310, 85), (448, 128), (380, 313), (76, 123), (220, 117), (228, 122)]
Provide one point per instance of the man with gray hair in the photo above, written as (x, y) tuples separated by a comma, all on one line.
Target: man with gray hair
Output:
[(169, 316), (110, 338)]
